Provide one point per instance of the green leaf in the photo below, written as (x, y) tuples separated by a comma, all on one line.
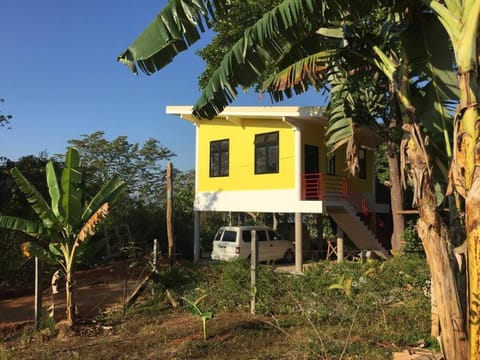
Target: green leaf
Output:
[(335, 286), (107, 194), (53, 189), (72, 188), (32, 228), (36, 200), (174, 29)]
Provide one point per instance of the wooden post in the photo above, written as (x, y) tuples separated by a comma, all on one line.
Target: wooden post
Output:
[(253, 272), (38, 293), (340, 251), (170, 234), (155, 254), (298, 244)]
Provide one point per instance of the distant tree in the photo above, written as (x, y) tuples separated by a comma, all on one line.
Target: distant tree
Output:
[(140, 166), (63, 229), (5, 119), (13, 268)]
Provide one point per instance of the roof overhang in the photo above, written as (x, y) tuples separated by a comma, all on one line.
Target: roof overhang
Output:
[(236, 114)]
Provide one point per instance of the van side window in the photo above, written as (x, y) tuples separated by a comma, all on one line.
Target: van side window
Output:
[(229, 236), (261, 235), (273, 235), (247, 236)]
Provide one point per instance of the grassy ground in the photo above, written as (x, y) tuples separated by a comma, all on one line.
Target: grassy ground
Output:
[(349, 311)]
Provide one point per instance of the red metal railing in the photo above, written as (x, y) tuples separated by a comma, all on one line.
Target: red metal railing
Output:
[(316, 186)]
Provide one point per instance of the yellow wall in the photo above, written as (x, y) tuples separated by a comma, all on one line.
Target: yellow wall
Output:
[(242, 155), (313, 134)]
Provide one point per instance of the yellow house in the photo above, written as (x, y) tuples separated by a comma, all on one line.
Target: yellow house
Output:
[(274, 159)]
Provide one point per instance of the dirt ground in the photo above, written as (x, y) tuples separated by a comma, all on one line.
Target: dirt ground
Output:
[(165, 333), (96, 290)]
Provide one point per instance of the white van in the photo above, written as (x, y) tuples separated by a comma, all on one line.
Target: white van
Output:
[(234, 242)]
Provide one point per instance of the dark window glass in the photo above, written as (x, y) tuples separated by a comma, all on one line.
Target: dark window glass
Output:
[(362, 163), (261, 235), (266, 153), (247, 235), (331, 165), (229, 236), (219, 157), (273, 235)]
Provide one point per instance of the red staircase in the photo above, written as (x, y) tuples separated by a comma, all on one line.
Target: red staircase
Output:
[(333, 188)]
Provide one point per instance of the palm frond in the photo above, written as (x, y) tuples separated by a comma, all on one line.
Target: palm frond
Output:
[(264, 43), (36, 200), (107, 194), (32, 228), (90, 226), (174, 29), (309, 71)]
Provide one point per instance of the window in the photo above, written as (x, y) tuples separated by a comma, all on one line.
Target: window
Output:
[(331, 165), (362, 163), (229, 236), (266, 153), (273, 235), (261, 235), (219, 153)]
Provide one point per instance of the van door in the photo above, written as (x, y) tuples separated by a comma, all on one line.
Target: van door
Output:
[(229, 244), (224, 245), (263, 245), (276, 248)]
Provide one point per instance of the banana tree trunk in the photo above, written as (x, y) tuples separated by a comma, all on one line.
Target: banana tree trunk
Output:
[(436, 241), (70, 298), (396, 198), (473, 251), (465, 174)]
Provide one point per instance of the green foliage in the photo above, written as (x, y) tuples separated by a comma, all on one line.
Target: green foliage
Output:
[(140, 166), (193, 308), (372, 302), (411, 239), (5, 119), (62, 229), (229, 27)]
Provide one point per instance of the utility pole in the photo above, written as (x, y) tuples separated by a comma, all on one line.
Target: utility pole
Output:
[(170, 234)]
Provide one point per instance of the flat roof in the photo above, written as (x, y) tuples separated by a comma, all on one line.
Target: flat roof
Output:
[(267, 112)]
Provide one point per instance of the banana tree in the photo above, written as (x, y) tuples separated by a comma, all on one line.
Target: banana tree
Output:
[(288, 34), (62, 232), (461, 21)]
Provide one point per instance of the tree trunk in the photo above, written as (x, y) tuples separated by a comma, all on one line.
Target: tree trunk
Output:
[(70, 298), (438, 248), (473, 249), (396, 198), (435, 239)]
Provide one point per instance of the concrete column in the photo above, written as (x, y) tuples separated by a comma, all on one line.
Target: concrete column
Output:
[(298, 161), (196, 236), (339, 245), (298, 243)]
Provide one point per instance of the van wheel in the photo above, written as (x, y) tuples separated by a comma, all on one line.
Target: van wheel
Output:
[(289, 257)]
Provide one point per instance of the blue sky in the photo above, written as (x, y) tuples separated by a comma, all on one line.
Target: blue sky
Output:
[(60, 78)]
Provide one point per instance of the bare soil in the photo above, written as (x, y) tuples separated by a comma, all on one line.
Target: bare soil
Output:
[(163, 334)]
